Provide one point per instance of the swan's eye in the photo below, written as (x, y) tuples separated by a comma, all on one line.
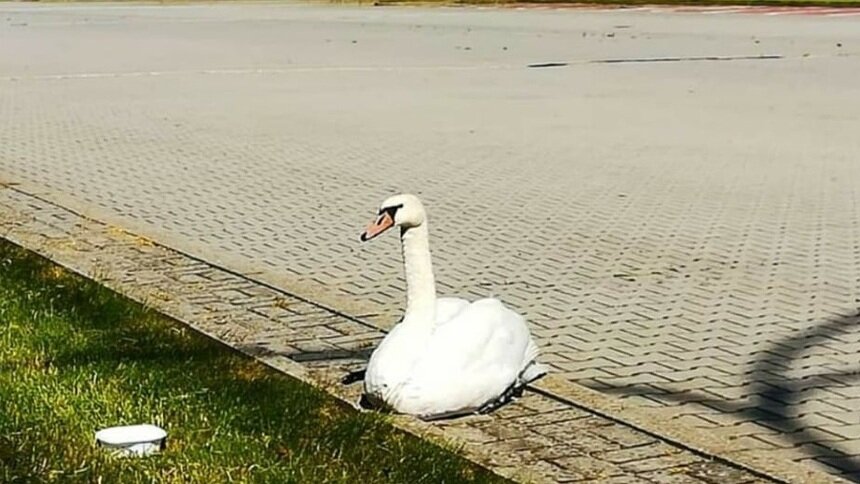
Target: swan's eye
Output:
[(392, 210)]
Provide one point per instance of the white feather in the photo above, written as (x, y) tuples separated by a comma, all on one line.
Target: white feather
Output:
[(448, 356)]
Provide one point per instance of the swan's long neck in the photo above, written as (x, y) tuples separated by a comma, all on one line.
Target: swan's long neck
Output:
[(420, 285)]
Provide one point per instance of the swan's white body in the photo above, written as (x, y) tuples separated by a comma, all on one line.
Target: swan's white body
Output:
[(447, 356)]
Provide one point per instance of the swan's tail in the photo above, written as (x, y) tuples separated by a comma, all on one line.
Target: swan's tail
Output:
[(532, 370)]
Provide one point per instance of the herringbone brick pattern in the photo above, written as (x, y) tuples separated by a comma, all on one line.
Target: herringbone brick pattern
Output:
[(677, 234), (537, 438)]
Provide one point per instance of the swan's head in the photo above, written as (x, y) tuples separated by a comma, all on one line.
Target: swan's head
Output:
[(404, 211)]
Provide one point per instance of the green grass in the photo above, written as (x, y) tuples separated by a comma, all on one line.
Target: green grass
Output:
[(75, 357)]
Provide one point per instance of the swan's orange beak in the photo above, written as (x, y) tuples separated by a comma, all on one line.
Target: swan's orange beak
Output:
[(381, 224)]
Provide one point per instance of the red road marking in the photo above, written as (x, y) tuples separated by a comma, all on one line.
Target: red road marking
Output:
[(707, 10)]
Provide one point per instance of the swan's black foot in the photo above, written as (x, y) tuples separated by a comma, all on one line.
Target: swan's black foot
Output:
[(513, 391), (353, 376), (371, 402), (366, 403)]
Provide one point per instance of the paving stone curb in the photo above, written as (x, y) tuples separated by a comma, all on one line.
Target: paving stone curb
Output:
[(558, 431)]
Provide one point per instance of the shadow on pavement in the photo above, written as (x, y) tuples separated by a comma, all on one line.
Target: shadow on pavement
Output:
[(775, 396)]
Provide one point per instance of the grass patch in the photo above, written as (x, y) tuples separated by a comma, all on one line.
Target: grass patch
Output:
[(76, 357)]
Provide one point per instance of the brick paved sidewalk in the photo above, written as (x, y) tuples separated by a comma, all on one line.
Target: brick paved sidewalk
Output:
[(678, 234), (558, 432)]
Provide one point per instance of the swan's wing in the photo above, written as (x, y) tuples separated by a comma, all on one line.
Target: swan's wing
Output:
[(484, 333), (471, 360), (388, 361), (448, 307)]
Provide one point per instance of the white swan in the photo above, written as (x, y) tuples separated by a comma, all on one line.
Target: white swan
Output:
[(447, 356)]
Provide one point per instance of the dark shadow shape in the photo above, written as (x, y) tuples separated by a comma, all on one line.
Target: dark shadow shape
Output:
[(547, 64), (358, 356), (711, 58), (329, 355), (773, 394), (258, 349), (774, 398)]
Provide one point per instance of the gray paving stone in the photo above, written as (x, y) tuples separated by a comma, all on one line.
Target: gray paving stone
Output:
[(675, 232), (538, 437)]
